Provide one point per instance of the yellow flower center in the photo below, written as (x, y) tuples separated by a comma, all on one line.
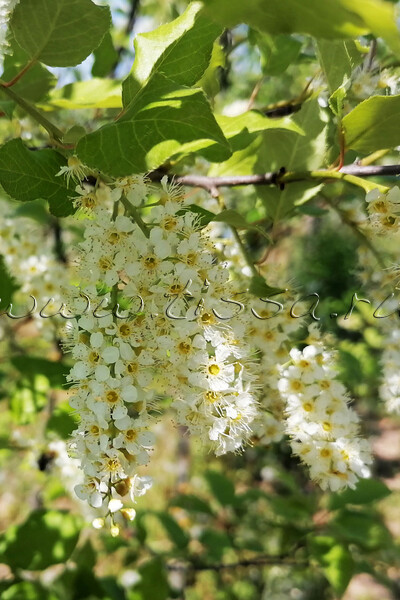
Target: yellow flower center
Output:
[(325, 453), (112, 396), (94, 357), (207, 318), (124, 330), (325, 384), (211, 397), (131, 435), (150, 262), (105, 263), (169, 223), (114, 238), (214, 369), (296, 385), (190, 259), (184, 348), (112, 465)]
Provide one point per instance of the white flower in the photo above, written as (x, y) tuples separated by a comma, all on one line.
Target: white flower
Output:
[(90, 491)]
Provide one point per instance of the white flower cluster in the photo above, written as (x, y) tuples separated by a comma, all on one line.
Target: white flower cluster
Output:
[(384, 284), (30, 259), (390, 388), (270, 327), (6, 8), (384, 210), (169, 343), (322, 427)]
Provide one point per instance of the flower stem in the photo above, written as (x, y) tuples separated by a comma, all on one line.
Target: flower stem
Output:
[(243, 249), (18, 76), (51, 129), (132, 212)]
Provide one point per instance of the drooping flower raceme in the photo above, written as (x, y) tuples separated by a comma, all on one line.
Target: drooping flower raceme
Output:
[(322, 427), (168, 343)]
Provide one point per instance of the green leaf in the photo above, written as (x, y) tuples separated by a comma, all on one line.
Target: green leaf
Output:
[(205, 216), (362, 528), (153, 583), (105, 57), (59, 33), (277, 51), (233, 218), (180, 50), (191, 503), (221, 487), (46, 538), (36, 209), (259, 287), (338, 59), (293, 509), (73, 135), (29, 366), (7, 107), (35, 83), (230, 217), (373, 124), (210, 82), (335, 560), (29, 398), (239, 130), (62, 421), (330, 19), (175, 532), (28, 175), (85, 557), (336, 101), (312, 210), (163, 121), (215, 543), (367, 490), (94, 93)]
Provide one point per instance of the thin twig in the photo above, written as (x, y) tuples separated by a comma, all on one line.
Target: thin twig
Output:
[(258, 561), (211, 183), (132, 15), (18, 76), (371, 55)]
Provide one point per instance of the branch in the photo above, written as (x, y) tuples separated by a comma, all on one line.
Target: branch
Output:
[(350, 173), (257, 561), (132, 15)]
